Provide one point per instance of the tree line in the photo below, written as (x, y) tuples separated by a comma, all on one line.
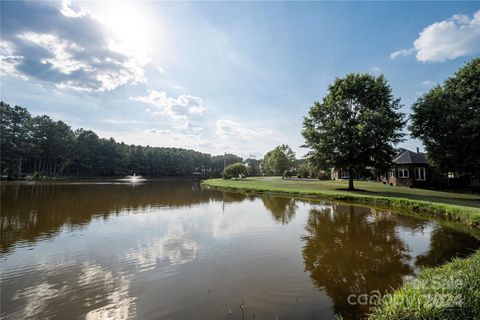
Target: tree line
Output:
[(355, 127), (41, 146)]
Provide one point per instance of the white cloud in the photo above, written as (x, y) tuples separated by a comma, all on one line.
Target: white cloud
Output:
[(190, 126), (428, 83), (9, 61), (401, 53), (123, 121), (228, 129), (377, 70), (161, 137), (455, 37), (68, 48), (61, 50), (182, 107), (67, 11)]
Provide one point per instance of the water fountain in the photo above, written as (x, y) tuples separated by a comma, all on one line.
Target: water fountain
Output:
[(134, 178)]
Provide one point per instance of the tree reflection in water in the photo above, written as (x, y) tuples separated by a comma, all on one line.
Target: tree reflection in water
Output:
[(282, 209), (444, 245), (353, 250)]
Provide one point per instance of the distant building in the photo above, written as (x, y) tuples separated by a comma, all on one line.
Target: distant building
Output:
[(339, 174), (409, 169)]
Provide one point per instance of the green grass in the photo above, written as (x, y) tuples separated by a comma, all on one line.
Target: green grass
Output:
[(451, 291), (463, 208), (456, 282)]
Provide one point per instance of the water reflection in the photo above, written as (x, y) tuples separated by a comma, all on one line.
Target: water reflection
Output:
[(170, 250), (282, 209), (359, 250), (444, 245), (86, 287), (347, 253), (31, 211)]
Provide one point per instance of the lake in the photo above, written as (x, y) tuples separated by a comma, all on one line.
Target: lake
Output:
[(170, 250)]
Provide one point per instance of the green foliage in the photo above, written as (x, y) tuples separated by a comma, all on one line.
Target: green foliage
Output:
[(254, 167), (447, 120), (235, 170), (455, 286), (304, 170), (50, 148), (278, 160), (287, 173), (355, 126)]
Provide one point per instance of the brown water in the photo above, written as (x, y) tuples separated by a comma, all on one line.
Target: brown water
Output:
[(169, 250)]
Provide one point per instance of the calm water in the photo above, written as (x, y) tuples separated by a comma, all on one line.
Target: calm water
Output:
[(169, 250)]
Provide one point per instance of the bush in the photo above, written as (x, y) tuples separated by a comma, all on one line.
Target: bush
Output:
[(235, 170), (322, 175), (304, 170), (226, 176), (287, 174)]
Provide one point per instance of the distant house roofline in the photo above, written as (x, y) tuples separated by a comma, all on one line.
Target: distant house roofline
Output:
[(405, 156)]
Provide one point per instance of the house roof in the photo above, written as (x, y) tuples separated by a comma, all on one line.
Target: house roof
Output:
[(409, 157)]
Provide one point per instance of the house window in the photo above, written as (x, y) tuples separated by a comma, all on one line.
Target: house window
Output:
[(391, 173), (451, 175), (403, 173), (420, 174)]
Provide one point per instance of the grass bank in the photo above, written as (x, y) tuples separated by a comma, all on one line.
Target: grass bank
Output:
[(450, 291), (463, 208)]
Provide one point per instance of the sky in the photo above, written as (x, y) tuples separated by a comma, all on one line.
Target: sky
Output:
[(219, 77)]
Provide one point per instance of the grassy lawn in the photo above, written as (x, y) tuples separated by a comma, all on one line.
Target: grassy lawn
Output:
[(332, 187), (456, 282)]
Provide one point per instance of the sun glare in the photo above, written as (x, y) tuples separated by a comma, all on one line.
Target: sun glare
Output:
[(129, 23)]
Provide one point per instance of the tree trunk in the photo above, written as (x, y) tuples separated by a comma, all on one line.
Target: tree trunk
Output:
[(350, 180), (20, 166)]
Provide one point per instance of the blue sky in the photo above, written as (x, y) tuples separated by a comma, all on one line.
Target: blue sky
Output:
[(215, 77)]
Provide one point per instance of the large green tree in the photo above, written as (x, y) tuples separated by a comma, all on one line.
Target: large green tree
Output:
[(447, 120), (278, 160), (355, 126)]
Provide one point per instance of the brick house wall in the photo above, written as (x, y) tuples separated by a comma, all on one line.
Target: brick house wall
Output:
[(414, 175)]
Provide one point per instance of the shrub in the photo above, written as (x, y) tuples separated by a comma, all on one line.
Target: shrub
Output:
[(234, 171), (322, 175), (287, 174)]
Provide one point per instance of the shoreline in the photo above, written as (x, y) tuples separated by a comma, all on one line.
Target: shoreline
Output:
[(469, 216), (408, 301)]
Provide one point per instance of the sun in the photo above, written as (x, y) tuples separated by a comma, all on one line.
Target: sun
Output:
[(129, 24)]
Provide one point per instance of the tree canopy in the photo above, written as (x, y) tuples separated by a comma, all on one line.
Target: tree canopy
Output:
[(447, 120), (355, 126), (254, 166), (235, 170), (278, 160), (39, 144)]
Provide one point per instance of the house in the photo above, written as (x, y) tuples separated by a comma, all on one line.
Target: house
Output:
[(409, 169), (337, 174)]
